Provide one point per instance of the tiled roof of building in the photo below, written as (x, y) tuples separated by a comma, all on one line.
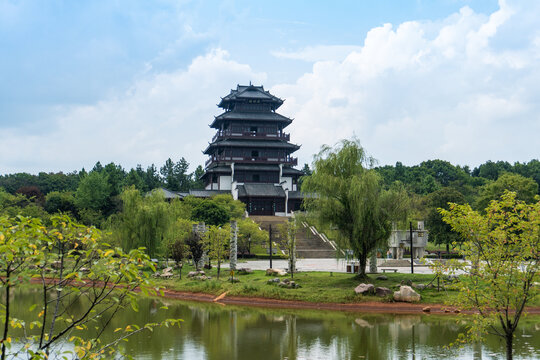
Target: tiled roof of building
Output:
[(291, 171), (249, 92), (255, 144), (251, 116), (251, 167), (296, 195), (168, 194), (219, 169), (207, 193), (260, 190)]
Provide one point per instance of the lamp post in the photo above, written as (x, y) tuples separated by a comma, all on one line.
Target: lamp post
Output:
[(412, 262)]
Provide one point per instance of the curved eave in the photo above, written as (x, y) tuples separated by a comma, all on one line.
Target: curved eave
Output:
[(250, 117), (247, 92), (251, 144)]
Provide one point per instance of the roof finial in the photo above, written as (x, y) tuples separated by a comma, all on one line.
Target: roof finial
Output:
[(249, 82)]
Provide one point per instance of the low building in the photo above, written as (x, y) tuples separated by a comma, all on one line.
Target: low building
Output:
[(401, 239)]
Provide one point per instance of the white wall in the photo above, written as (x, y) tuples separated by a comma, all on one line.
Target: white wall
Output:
[(225, 182), (288, 183)]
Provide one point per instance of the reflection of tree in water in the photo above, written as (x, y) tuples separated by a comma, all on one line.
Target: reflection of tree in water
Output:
[(211, 331)]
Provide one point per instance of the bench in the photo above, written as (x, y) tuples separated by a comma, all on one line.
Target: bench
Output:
[(385, 270)]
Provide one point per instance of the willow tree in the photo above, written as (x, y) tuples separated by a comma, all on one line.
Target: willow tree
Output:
[(143, 222), (348, 196)]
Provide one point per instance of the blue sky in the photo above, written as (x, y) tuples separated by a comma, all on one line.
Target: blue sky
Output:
[(137, 81)]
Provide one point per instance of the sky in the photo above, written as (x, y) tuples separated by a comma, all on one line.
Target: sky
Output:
[(137, 82)]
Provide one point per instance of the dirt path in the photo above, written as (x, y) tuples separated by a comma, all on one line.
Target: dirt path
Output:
[(373, 307)]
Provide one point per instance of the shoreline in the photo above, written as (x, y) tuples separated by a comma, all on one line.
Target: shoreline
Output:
[(367, 307)]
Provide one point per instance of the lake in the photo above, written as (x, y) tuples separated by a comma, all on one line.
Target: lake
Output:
[(213, 331)]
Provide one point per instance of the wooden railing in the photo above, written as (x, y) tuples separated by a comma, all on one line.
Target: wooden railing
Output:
[(249, 159), (250, 135)]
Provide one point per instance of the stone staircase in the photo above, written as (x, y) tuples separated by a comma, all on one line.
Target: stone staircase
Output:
[(309, 243)]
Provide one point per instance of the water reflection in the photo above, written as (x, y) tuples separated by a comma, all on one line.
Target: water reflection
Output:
[(211, 331)]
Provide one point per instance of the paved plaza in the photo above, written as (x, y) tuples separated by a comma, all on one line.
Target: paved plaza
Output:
[(334, 265)]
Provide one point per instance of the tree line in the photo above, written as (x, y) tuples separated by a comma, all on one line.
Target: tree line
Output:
[(93, 197), (434, 183), (90, 197)]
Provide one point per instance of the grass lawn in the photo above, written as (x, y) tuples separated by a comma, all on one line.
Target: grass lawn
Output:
[(315, 286)]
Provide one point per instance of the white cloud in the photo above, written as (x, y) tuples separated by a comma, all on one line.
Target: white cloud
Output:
[(454, 89), (464, 89), (318, 53), (166, 115)]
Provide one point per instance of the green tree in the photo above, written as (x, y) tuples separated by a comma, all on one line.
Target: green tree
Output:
[(196, 248), (503, 247), (306, 171), (216, 240), (235, 208), (151, 178), (176, 237), (350, 198), (525, 189), (93, 194), (57, 201), (61, 258), (288, 231), (210, 213), (249, 233), (134, 178), (175, 176), (197, 182), (439, 231), (19, 204)]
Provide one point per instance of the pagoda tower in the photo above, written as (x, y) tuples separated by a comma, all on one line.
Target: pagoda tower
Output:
[(250, 154)]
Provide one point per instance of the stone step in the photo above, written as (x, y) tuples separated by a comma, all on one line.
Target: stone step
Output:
[(315, 254), (308, 245)]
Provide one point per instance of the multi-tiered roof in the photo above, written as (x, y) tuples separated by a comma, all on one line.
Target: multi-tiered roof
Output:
[(250, 122), (250, 131), (250, 147)]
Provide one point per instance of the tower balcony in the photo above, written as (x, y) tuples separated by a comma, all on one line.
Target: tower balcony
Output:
[(254, 160), (250, 135)]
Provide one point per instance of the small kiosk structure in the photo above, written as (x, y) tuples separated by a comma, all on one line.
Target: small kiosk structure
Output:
[(398, 241), (401, 239)]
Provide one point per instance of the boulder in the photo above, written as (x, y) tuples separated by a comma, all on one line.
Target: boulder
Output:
[(364, 289), (273, 281), (419, 286), (288, 284), (382, 291), (275, 272), (244, 271), (406, 282), (426, 309), (382, 277), (406, 294), (195, 273)]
